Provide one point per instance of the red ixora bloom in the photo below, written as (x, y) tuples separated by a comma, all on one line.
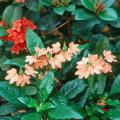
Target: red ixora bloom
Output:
[(17, 34)]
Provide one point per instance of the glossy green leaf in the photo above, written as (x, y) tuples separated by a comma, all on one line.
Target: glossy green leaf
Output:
[(8, 108), (20, 62), (89, 4), (2, 32), (70, 7), (28, 101), (108, 14), (11, 14), (115, 86), (72, 88), (46, 86), (108, 3), (31, 116), (10, 93), (45, 2), (64, 112), (114, 113), (82, 14), (33, 41), (59, 10)]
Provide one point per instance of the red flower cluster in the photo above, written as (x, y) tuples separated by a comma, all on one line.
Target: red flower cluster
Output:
[(17, 34)]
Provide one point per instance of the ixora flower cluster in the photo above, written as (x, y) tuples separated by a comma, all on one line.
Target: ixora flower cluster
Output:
[(52, 58), (17, 34), (95, 64)]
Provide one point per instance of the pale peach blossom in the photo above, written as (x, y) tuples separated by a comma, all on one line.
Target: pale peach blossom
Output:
[(83, 68), (22, 80), (73, 48), (31, 59), (41, 51), (29, 70), (109, 57), (95, 66), (101, 103), (67, 55), (56, 61), (14, 77), (107, 68), (56, 47)]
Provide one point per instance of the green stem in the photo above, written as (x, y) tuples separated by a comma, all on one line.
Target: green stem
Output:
[(91, 83)]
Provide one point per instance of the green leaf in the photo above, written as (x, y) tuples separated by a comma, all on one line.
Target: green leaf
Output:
[(70, 7), (10, 93), (108, 14), (102, 43), (82, 14), (64, 112), (59, 10), (31, 116), (20, 62), (115, 86), (100, 85), (89, 4), (33, 41), (30, 90), (108, 3), (82, 101), (32, 5), (46, 106), (76, 2), (94, 118), (112, 102), (11, 14), (29, 102), (114, 113), (72, 88), (2, 31), (6, 118), (7, 108), (45, 2), (46, 86)]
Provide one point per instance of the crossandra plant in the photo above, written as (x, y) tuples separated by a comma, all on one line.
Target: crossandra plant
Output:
[(59, 59)]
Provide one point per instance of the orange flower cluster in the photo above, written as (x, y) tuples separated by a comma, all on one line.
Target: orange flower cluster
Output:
[(94, 64), (17, 34), (53, 56), (20, 79)]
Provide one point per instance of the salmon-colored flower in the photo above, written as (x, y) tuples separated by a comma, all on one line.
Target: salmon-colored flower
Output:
[(31, 59), (41, 62), (22, 80), (14, 77), (67, 56), (94, 64), (101, 103), (73, 48), (83, 68), (56, 61), (20, 1), (56, 47), (109, 57), (41, 51), (29, 70), (107, 68)]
